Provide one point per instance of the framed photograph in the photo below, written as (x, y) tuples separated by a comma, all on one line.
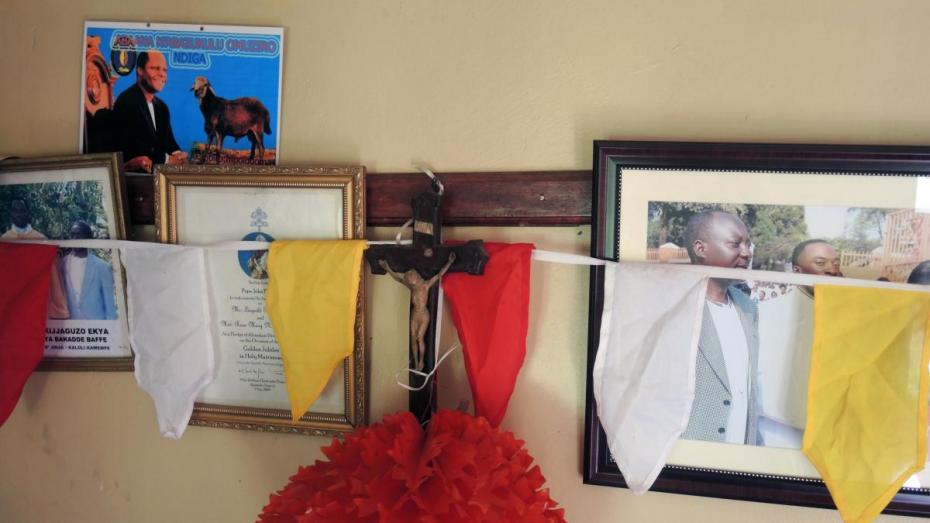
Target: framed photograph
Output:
[(844, 211), (175, 93), (206, 204), (74, 197)]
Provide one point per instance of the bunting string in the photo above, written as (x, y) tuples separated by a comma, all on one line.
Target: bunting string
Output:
[(538, 255)]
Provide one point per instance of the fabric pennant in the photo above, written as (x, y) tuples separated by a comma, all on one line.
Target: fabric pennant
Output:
[(170, 328), (311, 300), (644, 371), (867, 394), (24, 300), (491, 314)]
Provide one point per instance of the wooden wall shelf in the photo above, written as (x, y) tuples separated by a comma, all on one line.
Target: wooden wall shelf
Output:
[(550, 198)]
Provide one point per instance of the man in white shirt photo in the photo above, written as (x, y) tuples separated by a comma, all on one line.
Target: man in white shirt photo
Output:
[(786, 333), (725, 397)]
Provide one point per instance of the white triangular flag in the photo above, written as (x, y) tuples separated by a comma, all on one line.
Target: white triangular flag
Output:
[(170, 328), (644, 368)]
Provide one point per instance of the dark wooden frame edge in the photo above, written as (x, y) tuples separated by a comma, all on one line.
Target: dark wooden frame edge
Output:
[(541, 198)]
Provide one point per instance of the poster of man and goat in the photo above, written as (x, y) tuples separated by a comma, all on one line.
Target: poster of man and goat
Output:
[(175, 94)]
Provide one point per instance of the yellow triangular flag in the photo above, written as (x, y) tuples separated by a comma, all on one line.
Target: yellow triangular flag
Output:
[(867, 394), (311, 300)]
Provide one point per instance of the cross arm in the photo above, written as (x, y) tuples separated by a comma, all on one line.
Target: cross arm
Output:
[(470, 257)]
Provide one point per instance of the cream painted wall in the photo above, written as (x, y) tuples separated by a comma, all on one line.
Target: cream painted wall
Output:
[(463, 85)]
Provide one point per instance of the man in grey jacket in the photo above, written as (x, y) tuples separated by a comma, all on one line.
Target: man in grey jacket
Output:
[(726, 392)]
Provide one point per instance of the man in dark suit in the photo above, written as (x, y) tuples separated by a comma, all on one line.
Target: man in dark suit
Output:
[(726, 391), (143, 123)]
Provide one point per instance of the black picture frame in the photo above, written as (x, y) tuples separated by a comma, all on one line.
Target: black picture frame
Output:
[(610, 158)]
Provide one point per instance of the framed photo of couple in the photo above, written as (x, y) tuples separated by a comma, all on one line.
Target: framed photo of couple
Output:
[(77, 198), (844, 211)]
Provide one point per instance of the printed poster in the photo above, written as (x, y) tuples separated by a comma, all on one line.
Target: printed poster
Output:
[(174, 94)]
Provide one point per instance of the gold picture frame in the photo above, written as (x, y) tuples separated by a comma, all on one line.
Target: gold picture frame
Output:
[(56, 192), (196, 204)]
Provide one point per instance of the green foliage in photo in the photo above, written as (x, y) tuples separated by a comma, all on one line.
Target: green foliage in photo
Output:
[(54, 207)]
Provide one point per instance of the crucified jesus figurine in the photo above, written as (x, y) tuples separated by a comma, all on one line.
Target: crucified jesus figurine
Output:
[(419, 294)]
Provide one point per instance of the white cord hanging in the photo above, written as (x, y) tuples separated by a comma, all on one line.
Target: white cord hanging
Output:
[(432, 177), (426, 376), (400, 231)]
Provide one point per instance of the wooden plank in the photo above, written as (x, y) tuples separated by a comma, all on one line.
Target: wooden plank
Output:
[(486, 198), (472, 198), (140, 192)]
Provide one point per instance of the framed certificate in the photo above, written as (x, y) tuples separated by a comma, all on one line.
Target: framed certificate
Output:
[(202, 205)]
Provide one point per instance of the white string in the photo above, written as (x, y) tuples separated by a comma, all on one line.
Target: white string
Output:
[(390, 242), (538, 254), (426, 376), (564, 257), (127, 244), (432, 177), (400, 231), (734, 274)]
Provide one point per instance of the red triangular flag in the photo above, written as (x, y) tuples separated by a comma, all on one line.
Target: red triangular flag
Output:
[(491, 313), (23, 309)]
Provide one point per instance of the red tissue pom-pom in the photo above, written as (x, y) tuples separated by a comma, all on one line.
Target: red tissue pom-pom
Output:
[(459, 470)]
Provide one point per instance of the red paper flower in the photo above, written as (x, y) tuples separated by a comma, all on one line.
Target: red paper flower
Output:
[(460, 470)]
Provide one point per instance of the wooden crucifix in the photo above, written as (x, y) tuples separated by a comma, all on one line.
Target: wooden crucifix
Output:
[(419, 267)]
